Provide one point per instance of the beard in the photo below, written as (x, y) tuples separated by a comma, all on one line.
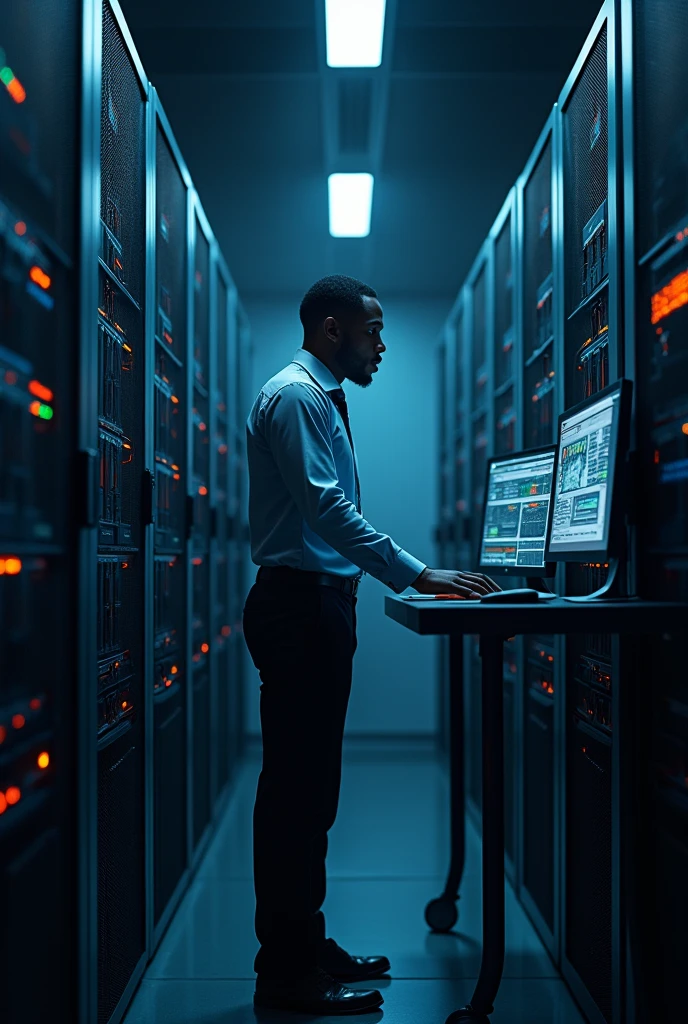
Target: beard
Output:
[(354, 366)]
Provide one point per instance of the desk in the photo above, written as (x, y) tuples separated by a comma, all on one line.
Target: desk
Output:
[(494, 623)]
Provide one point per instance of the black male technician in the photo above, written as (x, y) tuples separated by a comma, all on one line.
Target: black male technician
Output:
[(313, 545)]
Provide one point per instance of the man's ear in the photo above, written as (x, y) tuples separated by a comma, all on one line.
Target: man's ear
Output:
[(331, 328)]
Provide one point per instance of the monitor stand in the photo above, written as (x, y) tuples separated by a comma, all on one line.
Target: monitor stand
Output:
[(613, 589)]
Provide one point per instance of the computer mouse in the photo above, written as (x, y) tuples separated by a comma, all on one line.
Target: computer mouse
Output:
[(523, 595)]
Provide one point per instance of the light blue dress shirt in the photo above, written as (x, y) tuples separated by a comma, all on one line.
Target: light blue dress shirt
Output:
[(302, 484)]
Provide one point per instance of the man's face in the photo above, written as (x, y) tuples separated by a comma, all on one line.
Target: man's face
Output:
[(361, 344)]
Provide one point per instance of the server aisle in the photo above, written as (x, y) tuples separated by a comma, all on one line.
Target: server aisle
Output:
[(386, 858)]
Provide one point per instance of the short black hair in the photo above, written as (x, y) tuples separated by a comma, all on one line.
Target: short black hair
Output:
[(333, 296)]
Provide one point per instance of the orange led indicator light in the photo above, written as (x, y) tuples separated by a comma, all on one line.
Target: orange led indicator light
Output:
[(174, 670), (671, 297), (10, 566), (174, 399), (168, 682), (3, 803), (203, 491), (684, 428), (124, 704), (13, 795), (40, 391), (205, 648), (39, 277), (43, 759)]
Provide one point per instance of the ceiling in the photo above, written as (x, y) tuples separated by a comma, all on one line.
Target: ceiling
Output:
[(446, 125)]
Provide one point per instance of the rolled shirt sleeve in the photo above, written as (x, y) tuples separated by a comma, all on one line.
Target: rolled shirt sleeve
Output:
[(297, 429)]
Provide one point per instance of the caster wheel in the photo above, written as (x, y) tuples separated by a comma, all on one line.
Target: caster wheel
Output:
[(441, 914)]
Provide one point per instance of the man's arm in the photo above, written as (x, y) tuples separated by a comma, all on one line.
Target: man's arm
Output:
[(296, 427)]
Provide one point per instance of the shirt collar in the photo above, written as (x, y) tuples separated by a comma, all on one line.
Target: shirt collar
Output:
[(325, 378)]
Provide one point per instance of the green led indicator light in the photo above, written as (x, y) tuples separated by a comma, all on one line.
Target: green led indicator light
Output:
[(45, 412), (6, 75)]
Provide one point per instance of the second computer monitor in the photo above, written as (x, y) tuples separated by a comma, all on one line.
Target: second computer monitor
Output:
[(516, 513), (587, 503)]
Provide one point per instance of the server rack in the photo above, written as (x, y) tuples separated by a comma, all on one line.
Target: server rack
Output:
[(47, 287), (167, 346), (223, 680), (479, 370), (590, 339), (656, 269), (240, 582), (200, 387), (539, 850), (123, 583), (505, 413)]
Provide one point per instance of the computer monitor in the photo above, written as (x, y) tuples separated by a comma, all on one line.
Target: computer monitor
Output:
[(516, 513), (587, 506)]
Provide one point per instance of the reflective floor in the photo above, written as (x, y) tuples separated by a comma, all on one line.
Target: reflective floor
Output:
[(388, 855)]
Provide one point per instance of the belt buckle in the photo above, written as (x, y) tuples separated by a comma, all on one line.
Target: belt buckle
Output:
[(354, 586)]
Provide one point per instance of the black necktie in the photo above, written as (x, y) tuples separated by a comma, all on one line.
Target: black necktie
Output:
[(339, 399)]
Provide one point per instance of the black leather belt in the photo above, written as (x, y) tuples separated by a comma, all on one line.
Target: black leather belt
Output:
[(299, 577)]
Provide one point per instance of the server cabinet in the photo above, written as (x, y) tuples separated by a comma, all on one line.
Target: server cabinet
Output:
[(504, 413), (240, 388), (200, 388), (656, 204), (221, 625), (121, 558), (479, 305), (46, 810), (539, 849), (459, 425), (168, 382), (590, 339), (506, 351)]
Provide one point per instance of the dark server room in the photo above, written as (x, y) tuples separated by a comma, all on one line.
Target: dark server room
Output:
[(298, 301)]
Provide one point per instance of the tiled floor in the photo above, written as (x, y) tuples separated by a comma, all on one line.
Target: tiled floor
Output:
[(388, 856)]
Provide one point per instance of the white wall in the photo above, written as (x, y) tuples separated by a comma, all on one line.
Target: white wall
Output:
[(394, 423)]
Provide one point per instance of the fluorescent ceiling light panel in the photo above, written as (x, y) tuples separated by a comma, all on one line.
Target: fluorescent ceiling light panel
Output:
[(351, 202), (354, 31)]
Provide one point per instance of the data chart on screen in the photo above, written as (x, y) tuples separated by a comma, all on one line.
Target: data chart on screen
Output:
[(585, 469), (516, 511)]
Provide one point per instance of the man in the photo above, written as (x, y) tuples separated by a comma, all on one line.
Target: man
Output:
[(312, 544)]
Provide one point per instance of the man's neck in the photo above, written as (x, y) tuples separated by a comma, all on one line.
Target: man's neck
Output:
[(325, 357)]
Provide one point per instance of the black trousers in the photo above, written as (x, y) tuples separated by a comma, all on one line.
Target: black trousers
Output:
[(302, 641)]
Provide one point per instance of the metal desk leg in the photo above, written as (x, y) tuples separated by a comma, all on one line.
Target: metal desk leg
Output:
[(492, 965), (441, 914)]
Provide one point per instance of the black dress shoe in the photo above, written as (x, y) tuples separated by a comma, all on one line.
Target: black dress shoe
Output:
[(341, 965), (316, 993)]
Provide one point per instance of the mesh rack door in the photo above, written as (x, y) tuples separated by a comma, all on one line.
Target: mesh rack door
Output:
[(539, 410), (201, 627), (504, 409), (221, 610), (589, 337), (121, 565), (39, 138), (170, 675)]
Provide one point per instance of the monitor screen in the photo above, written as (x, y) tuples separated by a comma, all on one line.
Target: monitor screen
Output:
[(516, 513), (582, 502)]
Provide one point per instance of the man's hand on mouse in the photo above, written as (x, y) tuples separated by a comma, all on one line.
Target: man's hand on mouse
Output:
[(469, 585)]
